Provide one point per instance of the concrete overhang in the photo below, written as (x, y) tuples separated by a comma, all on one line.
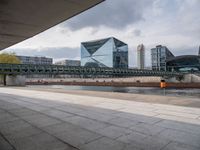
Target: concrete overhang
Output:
[(22, 19)]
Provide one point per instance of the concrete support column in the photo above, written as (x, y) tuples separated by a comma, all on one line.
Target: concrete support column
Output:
[(15, 80)]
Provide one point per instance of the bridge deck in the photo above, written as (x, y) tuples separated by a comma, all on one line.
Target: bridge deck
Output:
[(24, 69)]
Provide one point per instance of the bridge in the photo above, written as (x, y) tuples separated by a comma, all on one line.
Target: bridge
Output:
[(22, 19), (30, 69)]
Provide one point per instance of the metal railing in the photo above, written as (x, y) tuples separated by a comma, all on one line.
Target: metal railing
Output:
[(30, 69)]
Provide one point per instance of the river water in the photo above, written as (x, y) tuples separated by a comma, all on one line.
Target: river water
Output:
[(135, 90)]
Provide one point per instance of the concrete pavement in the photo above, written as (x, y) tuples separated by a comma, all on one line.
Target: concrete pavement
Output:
[(38, 120)]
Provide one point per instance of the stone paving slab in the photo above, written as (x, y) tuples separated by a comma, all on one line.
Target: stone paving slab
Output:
[(113, 132), (13, 126), (182, 120), (56, 113), (23, 112), (6, 117), (103, 143), (23, 133), (139, 118), (179, 146), (194, 129), (181, 137), (87, 123), (77, 136), (123, 122), (133, 137), (70, 109), (41, 120), (148, 129), (178, 114), (36, 120), (152, 143), (40, 141), (4, 145)]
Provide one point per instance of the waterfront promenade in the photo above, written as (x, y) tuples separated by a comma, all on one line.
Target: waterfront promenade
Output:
[(32, 119)]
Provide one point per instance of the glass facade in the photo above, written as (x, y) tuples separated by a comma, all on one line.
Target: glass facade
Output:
[(109, 52), (159, 55), (188, 63), (199, 51)]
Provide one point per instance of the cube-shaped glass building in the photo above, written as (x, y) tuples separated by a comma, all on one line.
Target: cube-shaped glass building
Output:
[(109, 52)]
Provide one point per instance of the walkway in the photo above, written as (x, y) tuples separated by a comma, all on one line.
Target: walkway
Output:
[(36, 120)]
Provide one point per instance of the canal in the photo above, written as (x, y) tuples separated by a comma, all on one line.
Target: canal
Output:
[(135, 90)]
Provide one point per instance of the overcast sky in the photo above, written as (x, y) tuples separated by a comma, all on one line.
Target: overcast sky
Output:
[(174, 23)]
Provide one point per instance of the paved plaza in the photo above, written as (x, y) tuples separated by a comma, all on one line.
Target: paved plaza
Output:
[(39, 120)]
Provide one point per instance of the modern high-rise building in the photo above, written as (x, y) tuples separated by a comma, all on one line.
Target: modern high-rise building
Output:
[(35, 60), (184, 63), (159, 56), (109, 52), (141, 56)]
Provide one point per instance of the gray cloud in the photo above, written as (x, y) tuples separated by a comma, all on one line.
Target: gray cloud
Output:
[(137, 32), (190, 50), (114, 14)]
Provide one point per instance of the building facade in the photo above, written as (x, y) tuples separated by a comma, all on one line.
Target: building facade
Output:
[(141, 56), (109, 52), (159, 56), (35, 60), (68, 63), (185, 63)]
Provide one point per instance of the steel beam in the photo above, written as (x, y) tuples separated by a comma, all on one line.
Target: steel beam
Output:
[(29, 69)]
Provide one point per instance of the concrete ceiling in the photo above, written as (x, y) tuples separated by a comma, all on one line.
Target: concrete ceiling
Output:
[(22, 19)]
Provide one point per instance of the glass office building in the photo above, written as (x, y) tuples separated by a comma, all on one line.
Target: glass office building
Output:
[(109, 52), (159, 56), (185, 63)]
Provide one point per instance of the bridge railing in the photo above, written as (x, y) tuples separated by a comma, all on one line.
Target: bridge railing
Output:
[(30, 69)]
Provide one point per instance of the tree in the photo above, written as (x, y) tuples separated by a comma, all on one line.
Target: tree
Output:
[(8, 58)]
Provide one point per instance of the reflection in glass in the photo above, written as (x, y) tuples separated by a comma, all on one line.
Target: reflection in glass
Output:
[(109, 52)]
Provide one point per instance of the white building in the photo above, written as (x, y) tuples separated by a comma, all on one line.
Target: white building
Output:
[(141, 56), (68, 63), (35, 60)]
